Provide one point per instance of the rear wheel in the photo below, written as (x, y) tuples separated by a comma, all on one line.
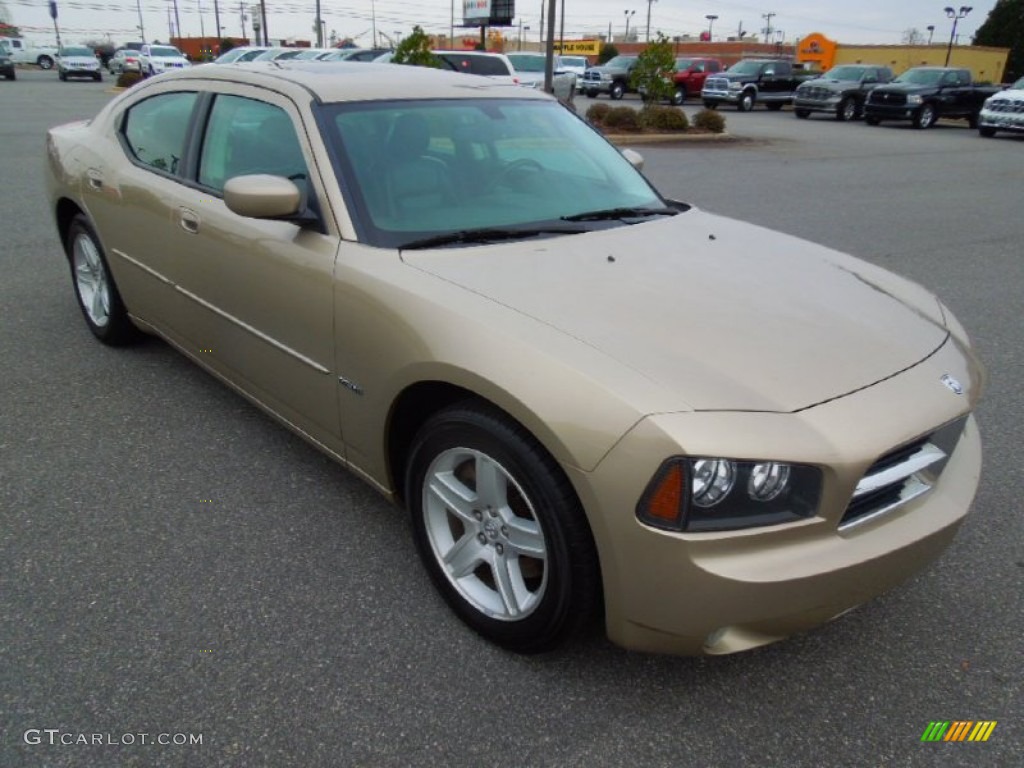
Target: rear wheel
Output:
[(847, 110), (746, 102), (803, 114), (45, 62), (500, 530), (95, 290), (925, 117)]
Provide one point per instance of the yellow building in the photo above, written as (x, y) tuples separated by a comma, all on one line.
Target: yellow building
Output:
[(985, 63)]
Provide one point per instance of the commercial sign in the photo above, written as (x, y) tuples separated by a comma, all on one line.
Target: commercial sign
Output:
[(476, 10), (578, 47), (488, 13)]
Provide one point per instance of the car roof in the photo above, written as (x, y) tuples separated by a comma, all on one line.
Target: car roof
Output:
[(339, 81)]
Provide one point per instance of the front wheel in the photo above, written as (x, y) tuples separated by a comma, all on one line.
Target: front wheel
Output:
[(746, 102), (618, 91), (774, 106), (870, 120), (97, 295), (710, 104), (847, 110), (679, 97), (986, 132), (925, 117), (62, 76), (803, 114), (500, 530), (97, 77), (45, 62), (591, 93)]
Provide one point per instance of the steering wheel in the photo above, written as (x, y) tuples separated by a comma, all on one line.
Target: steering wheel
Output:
[(516, 166)]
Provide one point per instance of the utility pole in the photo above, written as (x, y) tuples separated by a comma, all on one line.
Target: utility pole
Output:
[(241, 11), (768, 29), (177, 20), (649, 19), (542, 20), (216, 20), (266, 31), (561, 32), (319, 27), (549, 51)]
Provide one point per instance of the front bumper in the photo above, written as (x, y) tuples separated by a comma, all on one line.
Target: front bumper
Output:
[(90, 72), (830, 104), (891, 111), (729, 97), (724, 592), (598, 86), (1002, 121)]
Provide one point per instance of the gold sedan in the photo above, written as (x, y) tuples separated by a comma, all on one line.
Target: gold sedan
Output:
[(596, 403)]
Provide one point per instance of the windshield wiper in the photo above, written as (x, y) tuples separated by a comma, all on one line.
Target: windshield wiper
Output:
[(486, 236), (620, 213)]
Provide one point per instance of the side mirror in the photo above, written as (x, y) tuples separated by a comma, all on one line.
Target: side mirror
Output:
[(635, 158), (260, 196)]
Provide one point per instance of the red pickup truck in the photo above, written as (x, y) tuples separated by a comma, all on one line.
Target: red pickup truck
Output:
[(689, 76)]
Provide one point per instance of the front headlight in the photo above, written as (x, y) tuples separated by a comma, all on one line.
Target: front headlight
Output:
[(735, 86), (914, 98), (716, 494)]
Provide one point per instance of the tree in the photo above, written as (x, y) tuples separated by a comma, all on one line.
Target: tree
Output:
[(652, 73), (103, 48), (226, 44), (608, 52), (913, 36), (415, 50), (1004, 28)]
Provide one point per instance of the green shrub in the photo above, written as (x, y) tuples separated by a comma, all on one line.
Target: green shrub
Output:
[(598, 112), (622, 118), (709, 120), (608, 52), (655, 117), (128, 79)]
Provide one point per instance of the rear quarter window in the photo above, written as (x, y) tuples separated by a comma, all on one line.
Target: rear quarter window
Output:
[(154, 130), (478, 65)]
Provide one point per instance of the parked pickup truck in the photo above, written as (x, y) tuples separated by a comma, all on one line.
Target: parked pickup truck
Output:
[(688, 76), (749, 81), (1003, 112), (840, 92), (924, 94), (24, 52), (612, 78)]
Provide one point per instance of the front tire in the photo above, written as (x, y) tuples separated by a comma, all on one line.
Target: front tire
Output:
[(986, 132), (847, 110), (617, 91), (97, 295), (709, 104), (872, 120), (678, 97), (746, 102), (500, 530), (803, 114), (774, 106), (591, 93), (62, 76), (925, 117)]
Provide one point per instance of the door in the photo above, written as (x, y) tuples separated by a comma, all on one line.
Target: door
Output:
[(260, 291)]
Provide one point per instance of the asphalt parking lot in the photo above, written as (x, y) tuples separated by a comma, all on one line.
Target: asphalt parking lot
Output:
[(172, 561)]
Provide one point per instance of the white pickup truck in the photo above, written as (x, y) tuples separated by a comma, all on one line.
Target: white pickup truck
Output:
[(23, 51)]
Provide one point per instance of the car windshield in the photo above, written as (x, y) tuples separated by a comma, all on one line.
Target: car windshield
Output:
[(620, 62), (527, 63), (475, 65), (76, 51), (920, 77), (1018, 86), (746, 67), (423, 169), (845, 73), (164, 50), (683, 64), (574, 61), (250, 55)]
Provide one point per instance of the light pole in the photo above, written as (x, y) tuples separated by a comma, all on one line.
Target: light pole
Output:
[(142, 28), (931, 31), (711, 24), (649, 19), (629, 15), (521, 30), (955, 16)]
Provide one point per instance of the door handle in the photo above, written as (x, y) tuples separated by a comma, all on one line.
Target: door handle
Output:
[(95, 178), (189, 221)]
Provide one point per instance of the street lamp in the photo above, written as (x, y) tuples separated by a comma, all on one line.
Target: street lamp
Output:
[(711, 24), (521, 30), (931, 31), (955, 16), (629, 15)]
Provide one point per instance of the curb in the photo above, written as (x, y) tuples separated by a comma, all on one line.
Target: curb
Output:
[(620, 139)]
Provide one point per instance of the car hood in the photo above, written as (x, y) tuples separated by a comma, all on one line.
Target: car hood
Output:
[(1016, 95), (904, 88), (724, 315), (831, 84)]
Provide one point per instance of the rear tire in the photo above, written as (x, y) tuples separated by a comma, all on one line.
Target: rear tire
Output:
[(500, 530), (97, 295), (45, 62)]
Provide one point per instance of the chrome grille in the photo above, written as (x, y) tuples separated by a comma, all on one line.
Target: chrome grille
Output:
[(591, 74), (716, 84), (902, 475), (814, 92), (1005, 105)]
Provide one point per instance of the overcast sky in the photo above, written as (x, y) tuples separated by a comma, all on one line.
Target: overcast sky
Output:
[(851, 21)]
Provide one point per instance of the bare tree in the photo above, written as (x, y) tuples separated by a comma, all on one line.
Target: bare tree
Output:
[(913, 36)]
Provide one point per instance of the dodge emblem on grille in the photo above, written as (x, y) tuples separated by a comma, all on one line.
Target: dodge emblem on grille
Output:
[(954, 386)]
